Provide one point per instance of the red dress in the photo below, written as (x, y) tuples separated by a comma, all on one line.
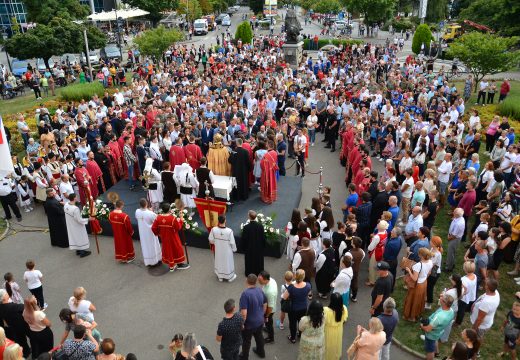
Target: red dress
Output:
[(193, 154), (123, 231), (269, 165), (177, 156), (167, 227)]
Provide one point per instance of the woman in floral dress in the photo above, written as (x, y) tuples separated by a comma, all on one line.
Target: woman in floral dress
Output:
[(312, 328)]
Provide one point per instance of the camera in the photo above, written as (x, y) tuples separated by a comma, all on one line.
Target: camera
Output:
[(424, 321)]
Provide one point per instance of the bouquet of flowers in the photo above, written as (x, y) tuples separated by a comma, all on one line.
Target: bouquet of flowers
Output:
[(272, 234), (100, 210), (188, 222)]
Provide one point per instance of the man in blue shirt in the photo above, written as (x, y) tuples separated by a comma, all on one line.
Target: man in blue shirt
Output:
[(363, 215), (394, 210), (421, 242), (253, 304)]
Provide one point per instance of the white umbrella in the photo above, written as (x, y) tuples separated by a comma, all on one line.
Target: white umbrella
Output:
[(111, 15)]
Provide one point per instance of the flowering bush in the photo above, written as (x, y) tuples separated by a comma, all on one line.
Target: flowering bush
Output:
[(100, 211), (272, 234), (188, 222)]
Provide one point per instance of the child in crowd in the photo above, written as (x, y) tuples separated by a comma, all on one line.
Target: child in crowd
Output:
[(289, 279), (511, 329), (176, 344), (33, 279), (229, 331), (25, 196), (13, 289)]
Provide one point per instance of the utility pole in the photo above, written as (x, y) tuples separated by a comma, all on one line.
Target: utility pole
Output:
[(87, 52)]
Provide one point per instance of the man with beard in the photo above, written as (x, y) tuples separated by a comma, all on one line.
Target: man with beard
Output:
[(331, 128), (253, 244), (95, 174), (379, 204), (87, 187), (240, 167), (103, 163), (56, 219)]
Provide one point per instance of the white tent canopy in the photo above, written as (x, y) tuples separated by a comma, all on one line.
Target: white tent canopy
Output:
[(111, 15)]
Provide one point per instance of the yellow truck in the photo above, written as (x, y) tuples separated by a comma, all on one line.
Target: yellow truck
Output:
[(455, 30)]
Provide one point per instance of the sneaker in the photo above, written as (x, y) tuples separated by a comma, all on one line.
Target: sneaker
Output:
[(221, 280), (45, 306), (312, 144), (514, 272), (354, 299), (19, 219), (427, 306), (423, 338), (233, 278), (517, 278), (132, 259), (27, 210), (183, 266), (172, 269)]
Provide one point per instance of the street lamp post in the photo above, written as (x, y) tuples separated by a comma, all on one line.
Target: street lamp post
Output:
[(4, 35)]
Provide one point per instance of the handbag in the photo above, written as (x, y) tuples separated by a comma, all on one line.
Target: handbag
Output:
[(411, 283), (406, 263), (60, 354), (285, 304)]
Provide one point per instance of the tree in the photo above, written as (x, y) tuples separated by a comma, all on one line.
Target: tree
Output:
[(256, 6), (155, 42), (244, 32), (219, 5), (436, 11), (373, 11), (193, 11), (423, 35), (43, 11), (155, 7), (326, 6), (205, 6), (485, 54), (500, 15)]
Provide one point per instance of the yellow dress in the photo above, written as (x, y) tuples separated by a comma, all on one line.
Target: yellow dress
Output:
[(334, 333)]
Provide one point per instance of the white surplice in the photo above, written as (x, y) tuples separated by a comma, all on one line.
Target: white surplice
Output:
[(225, 246), (155, 196), (150, 246), (76, 230), (183, 175)]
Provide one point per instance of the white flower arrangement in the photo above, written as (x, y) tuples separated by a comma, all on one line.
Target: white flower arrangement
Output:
[(100, 210), (271, 233)]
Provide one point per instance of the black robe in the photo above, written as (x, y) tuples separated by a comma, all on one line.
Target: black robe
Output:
[(103, 163), (253, 244), (327, 272), (240, 168), (170, 187), (379, 204), (16, 329), (57, 224)]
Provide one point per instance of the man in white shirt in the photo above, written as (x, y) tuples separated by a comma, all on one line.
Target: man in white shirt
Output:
[(454, 114), (444, 171), (507, 163), (482, 92), (406, 192), (455, 234), (485, 307), (299, 150), (8, 199)]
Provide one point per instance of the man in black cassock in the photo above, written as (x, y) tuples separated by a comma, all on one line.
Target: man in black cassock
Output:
[(240, 167), (56, 218), (103, 162), (253, 244)]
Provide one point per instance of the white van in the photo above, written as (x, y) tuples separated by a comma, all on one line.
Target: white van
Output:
[(200, 27)]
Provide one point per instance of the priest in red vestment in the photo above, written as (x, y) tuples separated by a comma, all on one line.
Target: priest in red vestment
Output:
[(123, 231), (193, 153), (247, 146), (95, 174), (177, 154), (86, 187), (269, 165), (119, 163), (167, 227)]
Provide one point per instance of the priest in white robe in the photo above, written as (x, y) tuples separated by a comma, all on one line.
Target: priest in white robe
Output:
[(155, 186), (76, 230), (224, 241), (149, 242), (187, 184)]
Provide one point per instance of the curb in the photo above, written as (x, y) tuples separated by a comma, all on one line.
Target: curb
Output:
[(405, 348), (7, 228)]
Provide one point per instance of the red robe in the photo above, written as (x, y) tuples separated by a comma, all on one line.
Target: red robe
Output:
[(119, 162), (193, 154), (96, 175), (86, 186), (177, 156), (167, 227), (123, 231), (247, 146), (269, 165)]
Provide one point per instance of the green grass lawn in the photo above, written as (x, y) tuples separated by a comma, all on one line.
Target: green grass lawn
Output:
[(408, 333), (23, 102)]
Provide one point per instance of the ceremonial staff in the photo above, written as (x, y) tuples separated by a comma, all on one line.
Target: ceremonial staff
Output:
[(95, 227), (180, 207)]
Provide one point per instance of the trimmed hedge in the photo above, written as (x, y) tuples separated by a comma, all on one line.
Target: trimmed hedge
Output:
[(335, 42), (85, 91), (510, 107)]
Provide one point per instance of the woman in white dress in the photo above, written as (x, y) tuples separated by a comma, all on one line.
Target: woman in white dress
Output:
[(150, 246), (155, 192), (223, 239)]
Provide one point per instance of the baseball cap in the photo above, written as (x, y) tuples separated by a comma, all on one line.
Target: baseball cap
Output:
[(383, 265)]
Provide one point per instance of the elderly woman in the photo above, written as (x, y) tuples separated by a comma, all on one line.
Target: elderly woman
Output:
[(13, 352), (375, 251), (4, 342), (191, 350), (415, 297), (369, 342), (498, 152), (312, 328), (473, 162)]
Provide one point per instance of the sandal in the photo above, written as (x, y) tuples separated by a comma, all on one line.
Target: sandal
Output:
[(291, 339)]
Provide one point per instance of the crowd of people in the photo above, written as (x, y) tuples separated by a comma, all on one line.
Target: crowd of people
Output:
[(242, 111)]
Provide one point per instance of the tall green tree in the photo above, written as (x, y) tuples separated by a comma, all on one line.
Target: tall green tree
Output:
[(436, 11), (422, 35), (154, 7), (244, 32), (327, 6), (256, 6), (458, 5), (500, 15), (373, 11), (205, 6), (191, 9), (43, 11), (485, 54), (155, 42)]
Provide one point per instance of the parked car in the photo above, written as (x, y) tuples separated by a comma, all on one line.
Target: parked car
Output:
[(232, 9), (110, 52), (40, 64), (341, 24), (219, 18), (69, 59), (200, 27), (267, 21), (19, 67), (93, 57), (226, 21)]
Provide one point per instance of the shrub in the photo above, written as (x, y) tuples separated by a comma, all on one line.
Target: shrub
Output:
[(510, 107), (244, 32), (336, 42), (77, 92), (423, 35), (402, 24)]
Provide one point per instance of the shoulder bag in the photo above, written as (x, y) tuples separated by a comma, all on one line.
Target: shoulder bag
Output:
[(406, 262), (60, 354), (286, 304), (411, 283)]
